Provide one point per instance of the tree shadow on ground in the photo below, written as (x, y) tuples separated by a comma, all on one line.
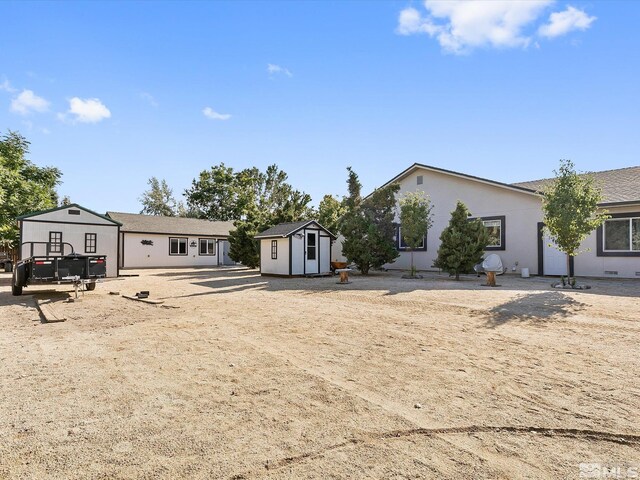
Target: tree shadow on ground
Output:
[(537, 307)]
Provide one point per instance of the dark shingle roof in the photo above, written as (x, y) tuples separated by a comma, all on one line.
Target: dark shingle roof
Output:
[(286, 229), (620, 185), (132, 222)]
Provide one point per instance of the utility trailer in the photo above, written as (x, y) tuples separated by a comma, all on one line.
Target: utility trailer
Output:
[(71, 268)]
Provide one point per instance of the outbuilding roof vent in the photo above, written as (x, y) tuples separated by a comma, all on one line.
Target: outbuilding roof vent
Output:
[(73, 212)]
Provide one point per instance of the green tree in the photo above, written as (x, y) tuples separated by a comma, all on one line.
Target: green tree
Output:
[(415, 221), (24, 187), (260, 200), (570, 207), (330, 211), (462, 243), (367, 225), (158, 200)]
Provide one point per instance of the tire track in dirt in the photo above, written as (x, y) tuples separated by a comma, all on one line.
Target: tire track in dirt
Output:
[(574, 433)]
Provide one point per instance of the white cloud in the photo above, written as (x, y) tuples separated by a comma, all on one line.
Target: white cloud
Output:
[(28, 102), (461, 26), (561, 23), (278, 70), (149, 99), (6, 86), (212, 114), (90, 110)]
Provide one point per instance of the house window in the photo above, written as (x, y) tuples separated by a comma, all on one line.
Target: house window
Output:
[(403, 246), (420, 179), (311, 246), (90, 242), (177, 246), (495, 229), (622, 235), (207, 246), (274, 249), (55, 242)]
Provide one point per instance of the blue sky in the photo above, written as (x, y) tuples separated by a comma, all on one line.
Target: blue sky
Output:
[(114, 93)]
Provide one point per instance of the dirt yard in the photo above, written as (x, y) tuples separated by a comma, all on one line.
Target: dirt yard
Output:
[(241, 376)]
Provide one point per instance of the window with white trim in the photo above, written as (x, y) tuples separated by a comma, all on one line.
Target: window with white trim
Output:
[(207, 246), (177, 246), (621, 234), (494, 230)]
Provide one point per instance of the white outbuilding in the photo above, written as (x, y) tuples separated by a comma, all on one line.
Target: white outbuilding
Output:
[(296, 249), (70, 229)]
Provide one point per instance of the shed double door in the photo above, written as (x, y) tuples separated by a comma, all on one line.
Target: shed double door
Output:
[(311, 253)]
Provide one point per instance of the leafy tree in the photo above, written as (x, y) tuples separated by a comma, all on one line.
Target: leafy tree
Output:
[(330, 211), (158, 200), (570, 205), (221, 194), (259, 200), (462, 243), (367, 225), (24, 187), (66, 200), (415, 220)]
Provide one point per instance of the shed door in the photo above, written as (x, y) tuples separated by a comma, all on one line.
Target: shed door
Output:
[(311, 253), (554, 261)]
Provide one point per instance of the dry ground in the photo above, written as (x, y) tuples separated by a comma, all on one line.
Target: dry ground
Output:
[(240, 376)]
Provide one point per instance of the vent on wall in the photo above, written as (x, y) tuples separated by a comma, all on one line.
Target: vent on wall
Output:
[(74, 212), (420, 179), (610, 272), (637, 274)]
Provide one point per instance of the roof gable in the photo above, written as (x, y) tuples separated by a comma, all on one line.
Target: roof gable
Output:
[(289, 228), (72, 206), (420, 166)]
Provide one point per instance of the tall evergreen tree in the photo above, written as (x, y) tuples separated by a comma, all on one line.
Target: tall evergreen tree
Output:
[(462, 243), (367, 225)]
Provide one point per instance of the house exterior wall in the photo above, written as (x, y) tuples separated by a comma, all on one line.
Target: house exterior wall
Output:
[(521, 211), (135, 254), (278, 266), (590, 264), (73, 229)]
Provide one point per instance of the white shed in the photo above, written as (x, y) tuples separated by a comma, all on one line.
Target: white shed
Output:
[(55, 231), (297, 248)]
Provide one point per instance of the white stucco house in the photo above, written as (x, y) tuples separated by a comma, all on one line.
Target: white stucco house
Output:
[(295, 249), (512, 213), (150, 241), (60, 230)]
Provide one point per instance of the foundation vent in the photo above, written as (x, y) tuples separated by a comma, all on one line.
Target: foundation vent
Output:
[(610, 272)]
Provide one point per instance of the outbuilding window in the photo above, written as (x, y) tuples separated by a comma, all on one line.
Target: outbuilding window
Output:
[(274, 249), (90, 242), (55, 242), (177, 246), (207, 246)]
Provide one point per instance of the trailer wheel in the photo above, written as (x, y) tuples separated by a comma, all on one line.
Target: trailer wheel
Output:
[(16, 284), (90, 286)]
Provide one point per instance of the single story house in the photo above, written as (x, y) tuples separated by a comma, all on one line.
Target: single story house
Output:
[(512, 214), (70, 229), (149, 241), (296, 248)]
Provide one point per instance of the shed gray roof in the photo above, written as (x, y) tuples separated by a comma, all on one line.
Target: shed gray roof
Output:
[(136, 223), (286, 229), (618, 186)]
